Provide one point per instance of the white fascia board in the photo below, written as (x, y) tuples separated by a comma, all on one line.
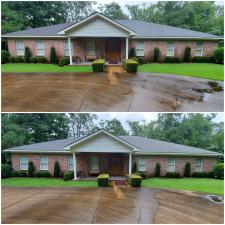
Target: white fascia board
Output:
[(178, 38), (36, 151), (33, 36), (178, 154), (93, 16)]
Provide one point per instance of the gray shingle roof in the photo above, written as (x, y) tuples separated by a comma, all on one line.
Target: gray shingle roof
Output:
[(145, 145)]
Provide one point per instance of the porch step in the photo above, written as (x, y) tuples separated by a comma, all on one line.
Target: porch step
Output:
[(120, 182)]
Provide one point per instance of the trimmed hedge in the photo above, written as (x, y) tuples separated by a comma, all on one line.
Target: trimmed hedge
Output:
[(187, 170), (134, 180), (42, 174), (68, 176), (141, 60), (27, 54), (130, 65), (172, 175), (219, 55), (203, 175), (56, 169), (103, 180), (20, 173), (4, 56), (187, 54), (33, 59), (98, 65), (218, 170), (41, 59), (7, 171), (31, 169), (18, 59), (53, 56), (171, 59), (64, 61), (201, 59)]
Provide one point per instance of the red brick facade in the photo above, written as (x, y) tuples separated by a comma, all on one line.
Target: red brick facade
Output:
[(80, 47), (83, 162)]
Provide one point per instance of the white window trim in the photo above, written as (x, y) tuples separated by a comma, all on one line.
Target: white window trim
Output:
[(145, 169), (140, 55), (93, 41), (199, 49), (41, 163), (70, 156), (17, 41), (91, 162), (43, 48), (173, 49), (66, 43), (174, 166), (196, 165), (21, 163)]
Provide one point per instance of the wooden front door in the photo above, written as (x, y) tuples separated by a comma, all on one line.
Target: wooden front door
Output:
[(116, 164), (113, 50)]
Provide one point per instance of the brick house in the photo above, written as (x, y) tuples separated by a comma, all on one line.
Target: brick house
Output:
[(100, 37), (102, 152)]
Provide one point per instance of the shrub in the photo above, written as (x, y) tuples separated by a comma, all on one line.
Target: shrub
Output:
[(56, 169), (42, 174), (156, 54), (187, 54), (19, 59), (37, 174), (171, 59), (201, 59), (20, 173), (68, 176), (27, 54), (103, 180), (218, 170), (134, 168), (5, 56), (132, 53), (141, 60), (134, 180), (130, 65), (64, 61), (98, 65), (157, 170), (11, 59), (172, 175), (30, 169), (53, 56), (203, 174), (6, 171), (219, 55), (41, 59), (187, 170), (33, 59)]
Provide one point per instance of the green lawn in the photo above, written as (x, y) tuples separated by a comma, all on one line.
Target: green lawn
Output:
[(43, 68), (203, 70), (212, 186), (45, 182)]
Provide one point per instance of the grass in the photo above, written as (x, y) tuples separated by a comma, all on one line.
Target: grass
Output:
[(205, 185), (42, 68), (45, 182), (202, 70)]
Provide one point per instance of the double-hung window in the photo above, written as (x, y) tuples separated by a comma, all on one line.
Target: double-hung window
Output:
[(170, 49), (142, 164), (171, 167), (198, 165), (20, 48), (199, 49), (40, 48), (91, 47), (94, 163), (23, 163), (44, 163), (70, 162), (140, 49)]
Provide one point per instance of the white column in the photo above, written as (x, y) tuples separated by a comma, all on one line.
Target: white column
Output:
[(74, 166), (70, 50), (127, 47), (130, 163)]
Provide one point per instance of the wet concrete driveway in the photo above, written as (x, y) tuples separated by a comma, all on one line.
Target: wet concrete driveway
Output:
[(106, 205), (111, 91)]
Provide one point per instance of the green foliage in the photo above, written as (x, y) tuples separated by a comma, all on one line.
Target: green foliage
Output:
[(141, 60), (103, 180), (187, 54), (201, 59), (132, 53), (219, 55), (6, 171), (130, 65), (31, 169), (171, 59), (98, 65), (27, 54), (203, 175), (156, 55), (172, 175), (19, 173), (56, 169), (134, 168), (68, 176), (64, 61), (37, 174), (157, 170), (187, 170), (134, 180), (218, 170), (18, 59), (53, 56), (41, 59), (11, 59), (33, 59), (4, 56), (45, 174)]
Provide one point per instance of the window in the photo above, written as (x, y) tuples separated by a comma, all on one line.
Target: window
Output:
[(23, 163), (94, 163), (40, 48), (198, 165), (170, 49), (70, 162), (142, 164), (19, 48), (44, 163), (171, 165), (140, 50), (91, 47), (199, 48)]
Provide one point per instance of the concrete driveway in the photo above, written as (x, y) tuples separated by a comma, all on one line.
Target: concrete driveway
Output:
[(111, 91), (106, 205)]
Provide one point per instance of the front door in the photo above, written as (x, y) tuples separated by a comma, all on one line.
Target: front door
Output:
[(116, 164), (113, 50)]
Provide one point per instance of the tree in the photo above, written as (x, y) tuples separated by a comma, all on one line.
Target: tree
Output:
[(27, 54), (31, 169), (56, 169), (134, 168), (187, 170), (187, 54), (156, 54), (53, 56), (157, 170)]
